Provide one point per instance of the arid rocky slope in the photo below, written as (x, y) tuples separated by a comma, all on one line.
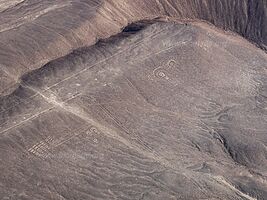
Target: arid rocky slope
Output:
[(34, 32), (169, 107)]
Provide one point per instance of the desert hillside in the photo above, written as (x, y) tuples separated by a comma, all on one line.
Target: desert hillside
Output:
[(35, 32), (133, 99)]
